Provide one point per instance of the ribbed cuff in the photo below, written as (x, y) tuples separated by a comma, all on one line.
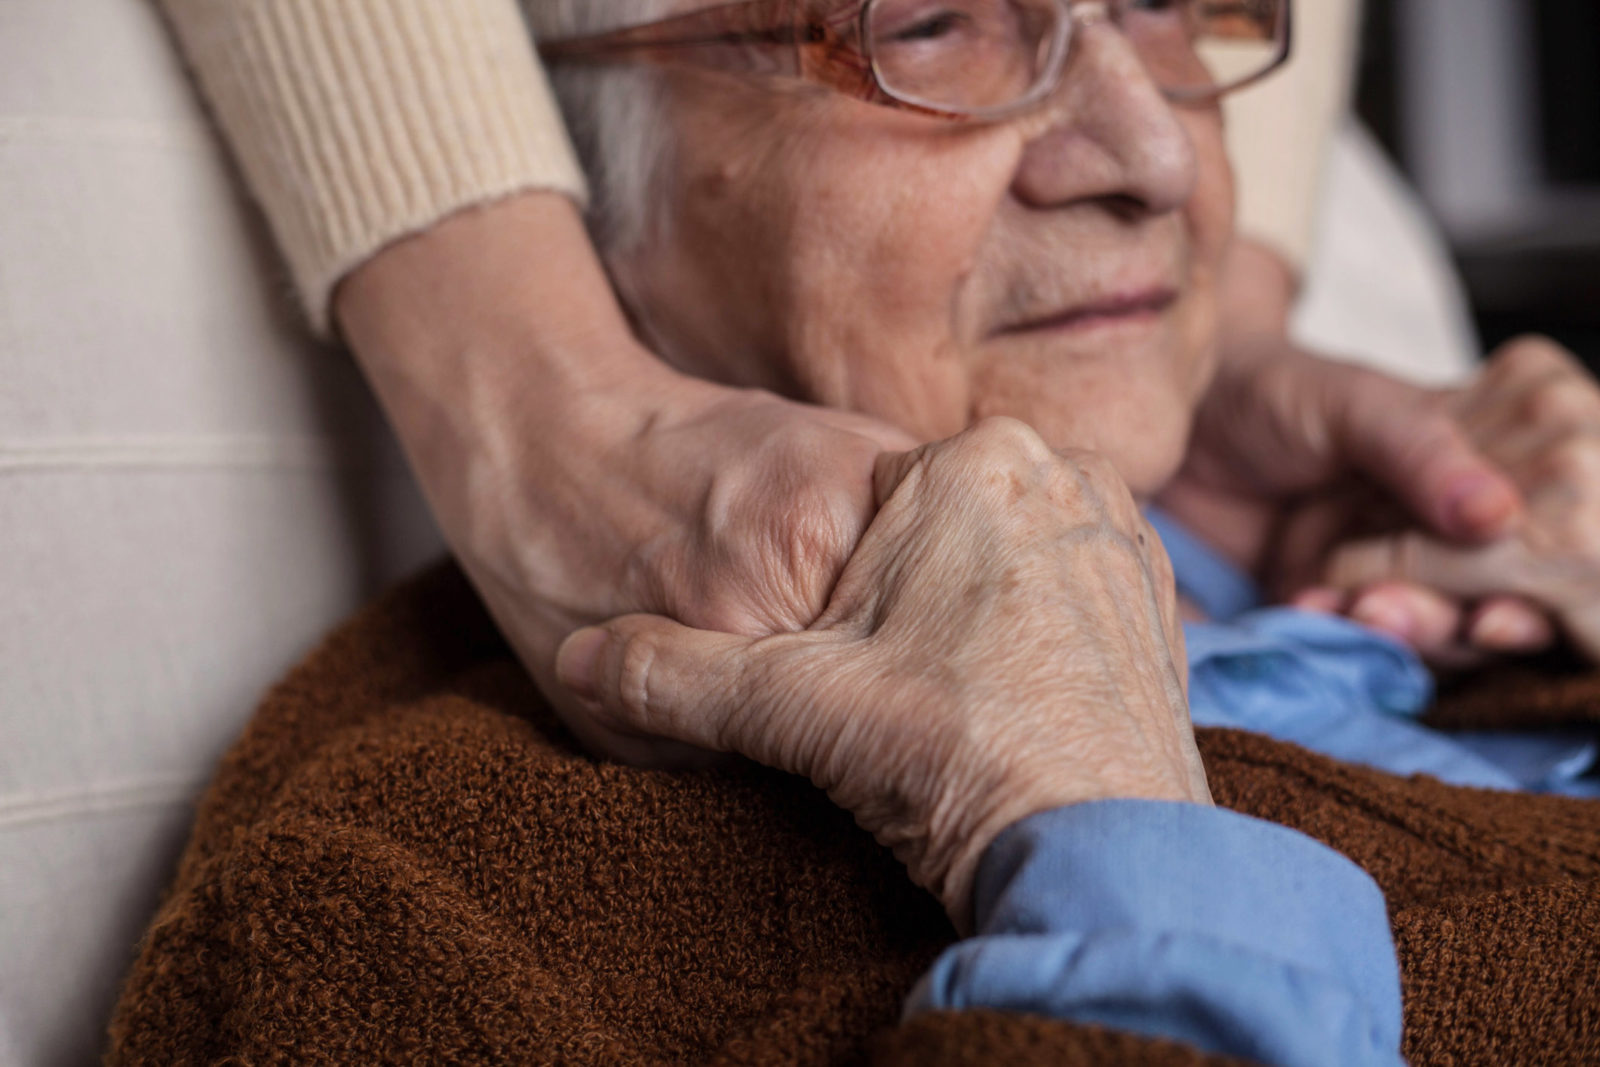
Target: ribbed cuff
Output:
[(358, 122)]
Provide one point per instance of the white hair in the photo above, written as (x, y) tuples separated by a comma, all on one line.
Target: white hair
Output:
[(614, 113)]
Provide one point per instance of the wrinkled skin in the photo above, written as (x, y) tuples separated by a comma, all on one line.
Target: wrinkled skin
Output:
[(930, 273), (1004, 641)]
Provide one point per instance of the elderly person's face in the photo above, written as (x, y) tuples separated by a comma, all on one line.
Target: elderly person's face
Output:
[(1059, 267)]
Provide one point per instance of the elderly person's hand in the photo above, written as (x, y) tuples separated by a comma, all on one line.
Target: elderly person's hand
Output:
[(1536, 413), (1004, 642)]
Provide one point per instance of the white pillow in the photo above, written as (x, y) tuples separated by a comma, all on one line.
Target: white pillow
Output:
[(1380, 288), (190, 494)]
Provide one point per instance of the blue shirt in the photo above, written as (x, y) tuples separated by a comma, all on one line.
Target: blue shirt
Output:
[(1174, 920), (1233, 935), (1335, 687)]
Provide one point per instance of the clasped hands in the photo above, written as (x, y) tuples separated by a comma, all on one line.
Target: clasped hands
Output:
[(1003, 639)]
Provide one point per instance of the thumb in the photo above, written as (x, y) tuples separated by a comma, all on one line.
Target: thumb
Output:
[(893, 469), (1405, 440), (648, 675)]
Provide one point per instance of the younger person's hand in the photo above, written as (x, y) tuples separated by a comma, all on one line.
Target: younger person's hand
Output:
[(575, 475)]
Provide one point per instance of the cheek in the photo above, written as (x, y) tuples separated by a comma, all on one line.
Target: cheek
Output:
[(1208, 219), (1209, 215), (884, 234)]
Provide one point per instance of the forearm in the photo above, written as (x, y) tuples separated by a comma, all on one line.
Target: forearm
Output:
[(510, 375), (498, 312), (358, 122)]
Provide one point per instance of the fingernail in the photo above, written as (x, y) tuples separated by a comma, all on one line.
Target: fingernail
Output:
[(1507, 630), (1390, 619), (1321, 601), (577, 658), (1480, 504)]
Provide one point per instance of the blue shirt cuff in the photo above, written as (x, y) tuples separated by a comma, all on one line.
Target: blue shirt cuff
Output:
[(1234, 935)]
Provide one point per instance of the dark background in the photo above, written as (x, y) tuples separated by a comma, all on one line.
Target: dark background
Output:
[(1524, 82)]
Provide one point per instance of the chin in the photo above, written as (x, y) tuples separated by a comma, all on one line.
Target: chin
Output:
[(1146, 473), (1115, 410)]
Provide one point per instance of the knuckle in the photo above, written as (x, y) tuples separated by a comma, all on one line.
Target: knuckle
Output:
[(999, 460), (793, 442), (1561, 400), (1010, 439), (1584, 538), (1527, 357), (1576, 461), (1106, 483), (817, 534), (635, 660)]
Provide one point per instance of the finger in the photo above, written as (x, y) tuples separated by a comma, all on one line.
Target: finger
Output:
[(1564, 460), (1510, 625), (637, 750), (1452, 570), (1529, 380), (1411, 444), (648, 675), (1306, 538), (1432, 625), (1419, 617), (1320, 600)]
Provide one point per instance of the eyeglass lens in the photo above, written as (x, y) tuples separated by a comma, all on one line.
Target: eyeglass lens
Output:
[(974, 56)]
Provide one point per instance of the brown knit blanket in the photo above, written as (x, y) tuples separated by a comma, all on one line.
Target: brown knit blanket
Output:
[(405, 859)]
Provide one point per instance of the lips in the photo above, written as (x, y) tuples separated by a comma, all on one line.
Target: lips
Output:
[(1111, 309)]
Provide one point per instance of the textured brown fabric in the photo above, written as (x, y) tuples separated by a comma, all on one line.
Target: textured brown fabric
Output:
[(1557, 691), (948, 1039), (405, 859)]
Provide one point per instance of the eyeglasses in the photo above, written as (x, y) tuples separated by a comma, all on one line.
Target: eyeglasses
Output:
[(966, 59)]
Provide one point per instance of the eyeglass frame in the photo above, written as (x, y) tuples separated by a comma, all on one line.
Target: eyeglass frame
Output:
[(851, 69)]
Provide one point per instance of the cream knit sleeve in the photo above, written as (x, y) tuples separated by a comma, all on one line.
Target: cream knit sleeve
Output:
[(358, 122), (1279, 131)]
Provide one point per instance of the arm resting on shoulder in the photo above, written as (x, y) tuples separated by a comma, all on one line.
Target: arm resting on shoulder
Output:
[(411, 161), (359, 122)]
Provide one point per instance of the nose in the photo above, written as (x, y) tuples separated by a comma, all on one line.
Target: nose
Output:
[(1107, 133)]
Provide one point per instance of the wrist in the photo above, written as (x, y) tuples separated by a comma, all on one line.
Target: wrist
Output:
[(962, 831), (502, 316)]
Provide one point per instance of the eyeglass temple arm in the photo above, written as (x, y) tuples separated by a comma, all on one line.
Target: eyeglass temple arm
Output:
[(597, 47), (746, 22)]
